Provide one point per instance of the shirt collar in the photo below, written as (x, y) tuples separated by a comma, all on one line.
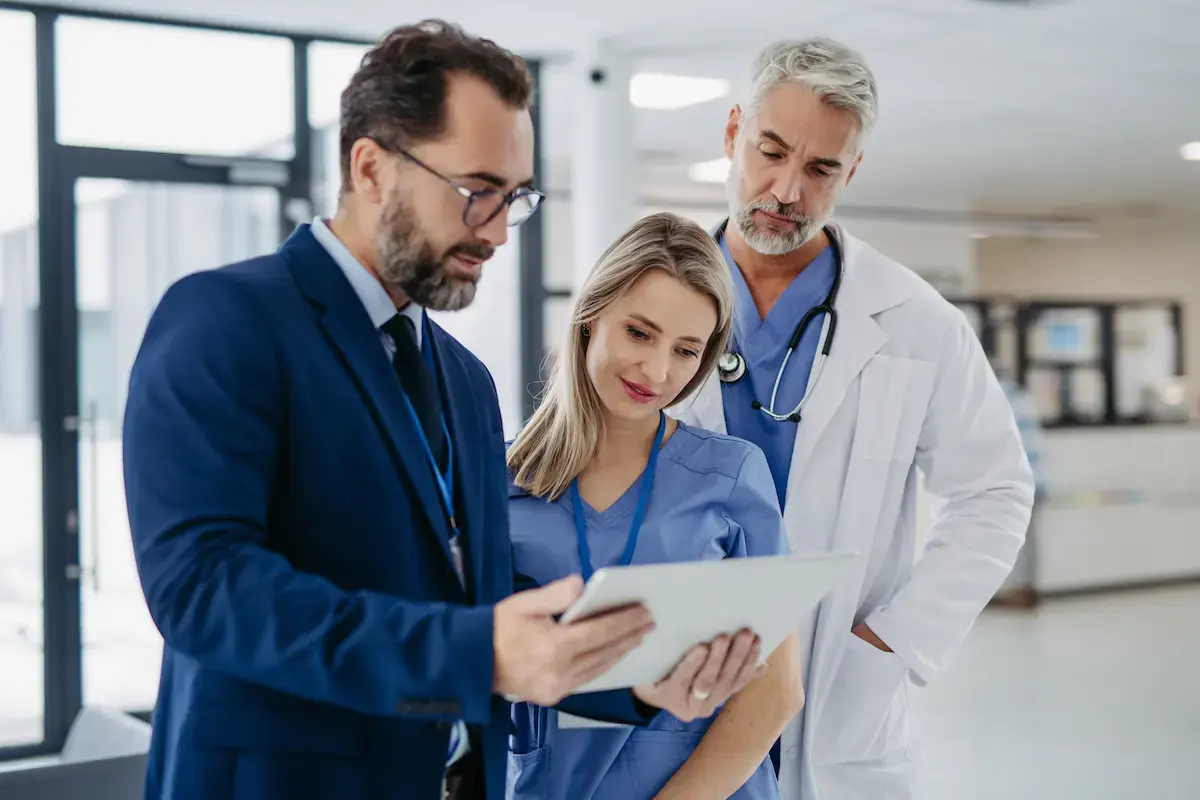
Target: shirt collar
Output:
[(371, 294)]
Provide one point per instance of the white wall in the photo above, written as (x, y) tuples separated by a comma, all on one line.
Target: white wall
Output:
[(491, 328), (943, 254), (1150, 258)]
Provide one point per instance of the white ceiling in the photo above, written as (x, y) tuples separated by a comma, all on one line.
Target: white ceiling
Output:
[(1074, 107)]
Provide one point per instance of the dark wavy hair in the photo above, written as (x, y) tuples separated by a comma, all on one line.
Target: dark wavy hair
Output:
[(398, 94)]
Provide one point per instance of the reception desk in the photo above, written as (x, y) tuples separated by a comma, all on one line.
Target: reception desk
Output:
[(1122, 508)]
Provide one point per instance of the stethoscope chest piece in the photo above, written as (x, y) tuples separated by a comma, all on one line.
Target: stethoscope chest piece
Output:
[(731, 367)]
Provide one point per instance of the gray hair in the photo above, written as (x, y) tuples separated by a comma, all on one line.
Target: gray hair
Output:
[(836, 73)]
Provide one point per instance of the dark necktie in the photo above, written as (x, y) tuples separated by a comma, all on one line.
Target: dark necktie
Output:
[(418, 383)]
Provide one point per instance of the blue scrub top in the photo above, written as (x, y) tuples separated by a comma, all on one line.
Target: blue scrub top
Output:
[(763, 343), (711, 498)]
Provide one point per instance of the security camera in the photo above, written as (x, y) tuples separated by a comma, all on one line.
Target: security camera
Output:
[(598, 77)]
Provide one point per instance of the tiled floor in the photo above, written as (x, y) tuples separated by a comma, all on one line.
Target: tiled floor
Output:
[(1089, 698)]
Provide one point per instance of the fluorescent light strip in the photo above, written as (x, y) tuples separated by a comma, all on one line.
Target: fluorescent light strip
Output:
[(670, 92), (715, 171)]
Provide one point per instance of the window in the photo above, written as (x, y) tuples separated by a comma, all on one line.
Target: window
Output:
[(159, 87), (134, 239), (330, 67)]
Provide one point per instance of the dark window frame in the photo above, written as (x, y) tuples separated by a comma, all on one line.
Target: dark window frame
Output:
[(59, 166)]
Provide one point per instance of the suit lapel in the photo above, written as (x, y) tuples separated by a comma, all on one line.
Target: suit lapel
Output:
[(469, 453), (350, 333)]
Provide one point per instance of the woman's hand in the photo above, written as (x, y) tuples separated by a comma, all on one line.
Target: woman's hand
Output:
[(706, 678)]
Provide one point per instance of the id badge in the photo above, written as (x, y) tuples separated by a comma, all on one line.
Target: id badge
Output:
[(457, 555)]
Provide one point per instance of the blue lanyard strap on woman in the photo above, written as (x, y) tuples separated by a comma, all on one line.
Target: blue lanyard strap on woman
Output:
[(585, 555), (445, 481)]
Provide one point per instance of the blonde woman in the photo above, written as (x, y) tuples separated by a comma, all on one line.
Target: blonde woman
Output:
[(602, 476)]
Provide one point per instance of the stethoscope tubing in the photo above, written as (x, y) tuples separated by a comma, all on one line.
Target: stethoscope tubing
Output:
[(738, 367)]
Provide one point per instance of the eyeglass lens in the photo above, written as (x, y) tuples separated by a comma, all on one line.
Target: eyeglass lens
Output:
[(484, 206)]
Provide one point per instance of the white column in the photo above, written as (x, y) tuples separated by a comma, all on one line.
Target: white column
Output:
[(603, 156), (18, 332)]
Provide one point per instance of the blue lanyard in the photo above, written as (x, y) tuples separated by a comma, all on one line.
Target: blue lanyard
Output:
[(445, 481), (585, 556)]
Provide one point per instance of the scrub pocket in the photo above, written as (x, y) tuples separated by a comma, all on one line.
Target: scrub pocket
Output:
[(650, 758), (854, 718), (528, 775)]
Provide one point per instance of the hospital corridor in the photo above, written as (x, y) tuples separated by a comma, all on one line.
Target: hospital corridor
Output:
[(599, 401), (1090, 698)]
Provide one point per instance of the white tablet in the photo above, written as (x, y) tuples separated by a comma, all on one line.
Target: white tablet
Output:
[(693, 602)]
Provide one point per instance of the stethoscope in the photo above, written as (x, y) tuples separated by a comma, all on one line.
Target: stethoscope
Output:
[(731, 366)]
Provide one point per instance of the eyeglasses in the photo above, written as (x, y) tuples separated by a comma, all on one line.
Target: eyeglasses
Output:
[(483, 204)]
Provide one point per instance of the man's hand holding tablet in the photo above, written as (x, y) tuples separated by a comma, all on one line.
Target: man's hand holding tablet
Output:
[(541, 661)]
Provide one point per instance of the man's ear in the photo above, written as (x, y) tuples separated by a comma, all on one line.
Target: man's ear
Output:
[(367, 162), (732, 126), (853, 169)]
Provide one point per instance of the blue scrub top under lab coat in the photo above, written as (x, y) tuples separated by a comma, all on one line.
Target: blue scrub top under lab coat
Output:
[(763, 343), (711, 498)]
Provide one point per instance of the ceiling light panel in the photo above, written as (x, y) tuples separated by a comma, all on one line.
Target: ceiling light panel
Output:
[(669, 92), (715, 171)]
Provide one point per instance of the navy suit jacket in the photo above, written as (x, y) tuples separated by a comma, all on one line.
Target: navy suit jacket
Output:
[(293, 551)]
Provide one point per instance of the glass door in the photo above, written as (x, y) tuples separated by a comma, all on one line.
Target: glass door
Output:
[(22, 659), (133, 239)]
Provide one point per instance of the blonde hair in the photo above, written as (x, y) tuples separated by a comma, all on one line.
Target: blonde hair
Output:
[(561, 437)]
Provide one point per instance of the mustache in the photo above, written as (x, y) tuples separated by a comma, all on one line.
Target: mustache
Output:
[(787, 210), (480, 251)]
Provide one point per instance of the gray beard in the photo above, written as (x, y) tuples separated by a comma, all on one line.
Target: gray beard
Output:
[(408, 263), (775, 244)]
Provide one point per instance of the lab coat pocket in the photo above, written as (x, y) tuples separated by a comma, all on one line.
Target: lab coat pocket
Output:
[(894, 400), (856, 716), (528, 774)]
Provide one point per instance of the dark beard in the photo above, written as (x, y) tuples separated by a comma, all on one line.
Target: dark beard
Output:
[(407, 262)]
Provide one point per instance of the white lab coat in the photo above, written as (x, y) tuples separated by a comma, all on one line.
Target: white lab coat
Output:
[(906, 386)]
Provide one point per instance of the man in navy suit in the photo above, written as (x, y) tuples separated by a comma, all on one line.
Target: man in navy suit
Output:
[(316, 481)]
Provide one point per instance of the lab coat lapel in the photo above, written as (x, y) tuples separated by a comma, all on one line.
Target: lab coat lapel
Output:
[(350, 332), (857, 338), (859, 504), (871, 287), (705, 409)]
